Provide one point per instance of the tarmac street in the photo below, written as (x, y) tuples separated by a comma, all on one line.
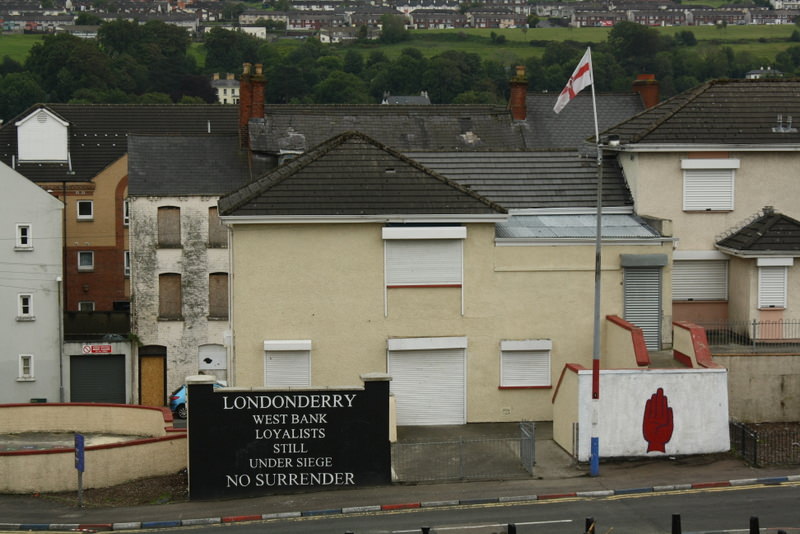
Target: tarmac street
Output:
[(556, 475)]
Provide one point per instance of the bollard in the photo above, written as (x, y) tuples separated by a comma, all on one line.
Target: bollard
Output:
[(589, 525), (511, 529), (676, 523), (426, 530), (754, 525)]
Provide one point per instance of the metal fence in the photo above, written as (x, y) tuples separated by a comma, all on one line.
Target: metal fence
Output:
[(465, 459), (766, 444), (755, 336)]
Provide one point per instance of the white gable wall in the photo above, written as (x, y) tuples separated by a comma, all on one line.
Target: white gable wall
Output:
[(41, 136)]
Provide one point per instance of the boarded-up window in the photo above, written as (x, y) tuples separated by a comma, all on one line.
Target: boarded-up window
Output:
[(217, 233), (169, 227), (218, 295), (169, 296)]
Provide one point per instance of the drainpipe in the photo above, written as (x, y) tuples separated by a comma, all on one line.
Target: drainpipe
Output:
[(59, 283)]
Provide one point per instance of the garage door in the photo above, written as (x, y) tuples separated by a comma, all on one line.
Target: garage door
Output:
[(97, 378), (429, 386)]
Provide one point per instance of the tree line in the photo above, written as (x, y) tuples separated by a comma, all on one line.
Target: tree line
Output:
[(150, 63)]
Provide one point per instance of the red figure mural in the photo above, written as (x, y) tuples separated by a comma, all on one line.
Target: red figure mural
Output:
[(657, 425)]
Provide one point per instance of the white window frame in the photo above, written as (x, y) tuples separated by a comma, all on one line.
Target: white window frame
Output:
[(126, 261), (525, 363), (86, 303), (288, 352), (699, 279), (773, 282), (24, 237), (84, 217), (709, 184), (85, 268), (126, 212), (25, 371), (25, 307)]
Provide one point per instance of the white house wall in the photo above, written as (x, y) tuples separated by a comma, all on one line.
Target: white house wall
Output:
[(37, 272), (698, 399), (193, 261)]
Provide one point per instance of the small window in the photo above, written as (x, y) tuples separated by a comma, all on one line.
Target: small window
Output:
[(218, 295), (24, 237), (127, 262), (85, 210), (772, 286), (169, 296), (25, 307), (86, 306), (525, 364), (217, 233), (287, 363), (25, 367), (86, 260), (126, 213), (169, 227)]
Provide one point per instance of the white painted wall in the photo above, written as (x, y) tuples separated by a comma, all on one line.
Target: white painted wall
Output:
[(698, 399)]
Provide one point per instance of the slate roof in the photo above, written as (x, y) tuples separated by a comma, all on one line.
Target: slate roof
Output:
[(186, 165), (435, 127), (570, 128), (720, 112), (355, 175), (99, 134), (541, 179), (770, 233)]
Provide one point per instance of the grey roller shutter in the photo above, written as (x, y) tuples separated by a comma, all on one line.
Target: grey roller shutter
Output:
[(429, 386), (97, 378), (642, 302)]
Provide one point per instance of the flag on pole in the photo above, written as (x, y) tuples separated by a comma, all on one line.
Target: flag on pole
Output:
[(581, 78)]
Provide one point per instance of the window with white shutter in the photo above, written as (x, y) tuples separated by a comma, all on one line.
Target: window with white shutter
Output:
[(287, 363), (708, 184), (424, 256), (525, 364), (772, 286), (700, 280)]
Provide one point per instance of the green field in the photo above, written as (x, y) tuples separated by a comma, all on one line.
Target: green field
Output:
[(761, 41)]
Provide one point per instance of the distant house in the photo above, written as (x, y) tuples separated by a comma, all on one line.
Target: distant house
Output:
[(226, 89), (31, 223)]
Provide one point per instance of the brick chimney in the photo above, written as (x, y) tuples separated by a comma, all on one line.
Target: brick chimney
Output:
[(519, 91), (251, 99), (647, 87)]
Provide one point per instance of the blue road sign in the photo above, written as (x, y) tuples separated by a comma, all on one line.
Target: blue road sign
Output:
[(79, 452)]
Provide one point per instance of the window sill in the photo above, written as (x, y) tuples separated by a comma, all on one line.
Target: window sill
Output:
[(87, 219), (728, 210), (169, 247), (773, 308), (26, 318), (217, 245), (26, 379), (86, 270), (525, 387), (217, 318), (170, 318), (417, 286), (20, 248)]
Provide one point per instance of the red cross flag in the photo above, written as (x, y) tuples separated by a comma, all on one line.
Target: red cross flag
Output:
[(582, 77)]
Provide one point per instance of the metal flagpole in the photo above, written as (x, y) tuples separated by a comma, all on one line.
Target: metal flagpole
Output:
[(594, 464)]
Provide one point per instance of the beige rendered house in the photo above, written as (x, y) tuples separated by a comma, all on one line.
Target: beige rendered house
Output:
[(712, 161), (353, 258)]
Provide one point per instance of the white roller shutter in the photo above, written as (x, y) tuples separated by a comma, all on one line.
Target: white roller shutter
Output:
[(429, 386), (525, 368), (772, 287), (285, 368), (642, 302), (707, 189), (423, 262), (700, 280)]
